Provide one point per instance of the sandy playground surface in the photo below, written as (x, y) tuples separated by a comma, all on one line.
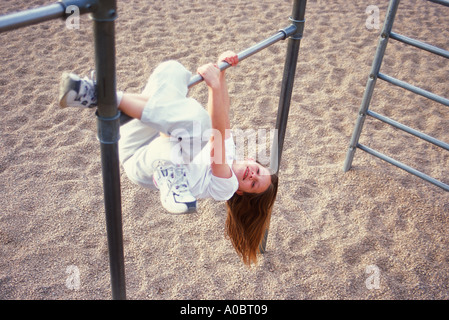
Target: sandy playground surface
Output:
[(327, 227)]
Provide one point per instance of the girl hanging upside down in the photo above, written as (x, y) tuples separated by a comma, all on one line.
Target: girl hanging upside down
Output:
[(173, 144)]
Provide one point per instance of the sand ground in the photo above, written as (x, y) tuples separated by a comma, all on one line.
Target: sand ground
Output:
[(327, 228)]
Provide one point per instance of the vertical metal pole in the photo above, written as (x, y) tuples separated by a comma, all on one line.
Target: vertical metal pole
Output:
[(297, 18), (375, 68), (108, 134)]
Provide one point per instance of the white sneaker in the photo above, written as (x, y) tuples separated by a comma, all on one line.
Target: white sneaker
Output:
[(171, 180), (77, 92)]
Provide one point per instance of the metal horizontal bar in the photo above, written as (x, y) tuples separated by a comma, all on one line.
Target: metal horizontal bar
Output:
[(414, 89), (402, 166), (420, 44), (414, 132), (56, 10), (281, 35), (442, 2), (32, 16)]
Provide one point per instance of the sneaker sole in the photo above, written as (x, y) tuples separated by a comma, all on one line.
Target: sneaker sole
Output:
[(68, 83), (191, 208)]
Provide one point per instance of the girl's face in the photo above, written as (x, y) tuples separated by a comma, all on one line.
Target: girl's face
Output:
[(252, 177)]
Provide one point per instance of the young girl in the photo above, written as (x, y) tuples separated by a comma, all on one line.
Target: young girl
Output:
[(173, 144)]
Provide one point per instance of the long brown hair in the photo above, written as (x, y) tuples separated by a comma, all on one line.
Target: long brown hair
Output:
[(247, 219)]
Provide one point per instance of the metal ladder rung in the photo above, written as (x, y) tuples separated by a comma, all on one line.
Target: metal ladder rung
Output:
[(403, 167), (414, 89), (414, 132), (419, 44), (442, 2)]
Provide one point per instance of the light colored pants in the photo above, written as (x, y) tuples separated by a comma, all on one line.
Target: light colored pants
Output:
[(168, 110)]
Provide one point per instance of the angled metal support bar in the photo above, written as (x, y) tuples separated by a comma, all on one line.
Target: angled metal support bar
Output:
[(196, 79), (404, 167), (407, 129), (371, 82), (414, 89), (442, 2), (281, 35), (49, 12), (420, 45)]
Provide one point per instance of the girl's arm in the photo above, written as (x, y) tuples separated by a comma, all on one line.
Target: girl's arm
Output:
[(232, 59), (218, 108)]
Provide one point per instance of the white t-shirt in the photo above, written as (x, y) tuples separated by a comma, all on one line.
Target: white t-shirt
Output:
[(203, 184)]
